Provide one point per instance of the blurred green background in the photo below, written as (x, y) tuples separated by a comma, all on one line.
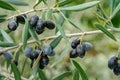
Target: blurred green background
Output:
[(95, 61)]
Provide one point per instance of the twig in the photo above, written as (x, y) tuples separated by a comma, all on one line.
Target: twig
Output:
[(53, 37)]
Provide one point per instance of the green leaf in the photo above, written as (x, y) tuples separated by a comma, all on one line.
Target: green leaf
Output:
[(35, 37), (63, 54), (81, 71), (42, 75), (112, 2), (6, 36), (61, 76), (17, 2), (37, 3), (6, 5), (2, 20), (56, 41), (76, 75), (6, 44), (116, 10), (15, 71), (103, 29), (49, 14), (62, 3), (71, 22), (60, 29), (25, 33), (80, 7)]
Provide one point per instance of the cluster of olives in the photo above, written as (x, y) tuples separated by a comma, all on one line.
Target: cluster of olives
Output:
[(79, 49), (35, 23), (39, 25), (14, 23), (114, 65), (45, 51)]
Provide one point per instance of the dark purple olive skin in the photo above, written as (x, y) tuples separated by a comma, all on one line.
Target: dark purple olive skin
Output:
[(12, 25), (49, 24), (75, 42), (73, 53), (112, 62), (80, 50), (33, 21)]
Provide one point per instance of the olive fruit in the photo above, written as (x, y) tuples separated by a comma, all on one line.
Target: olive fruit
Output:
[(47, 49), (44, 60), (12, 25), (28, 51), (116, 70), (21, 18), (49, 24), (80, 50), (87, 46), (73, 53), (33, 20), (8, 55), (39, 25), (39, 31), (75, 42), (112, 62)]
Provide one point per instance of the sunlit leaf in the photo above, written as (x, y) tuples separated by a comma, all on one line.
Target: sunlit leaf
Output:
[(81, 6), (56, 41), (60, 29), (6, 5), (15, 71), (6, 36), (61, 76), (6, 44), (37, 3), (17, 2), (99, 26), (81, 71), (25, 33), (49, 14)]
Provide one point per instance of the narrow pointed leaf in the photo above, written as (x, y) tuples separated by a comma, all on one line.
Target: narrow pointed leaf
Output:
[(61, 76), (25, 33), (76, 75), (15, 71), (6, 44), (63, 54), (3, 15), (56, 41), (37, 3), (35, 37), (81, 71), (116, 10), (6, 5), (81, 6), (42, 75), (6, 36), (60, 29), (17, 2), (99, 26), (62, 3), (49, 14)]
